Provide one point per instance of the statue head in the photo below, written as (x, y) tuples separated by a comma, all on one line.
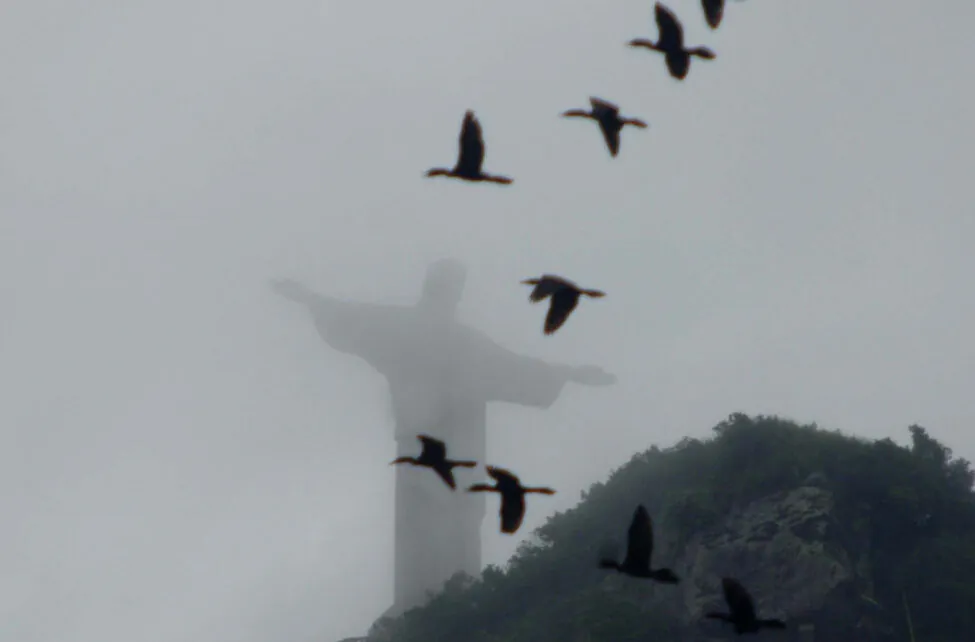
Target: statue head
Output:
[(443, 286)]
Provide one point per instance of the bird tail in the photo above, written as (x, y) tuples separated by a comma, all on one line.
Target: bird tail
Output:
[(665, 575), (596, 294), (771, 624), (607, 563), (714, 615)]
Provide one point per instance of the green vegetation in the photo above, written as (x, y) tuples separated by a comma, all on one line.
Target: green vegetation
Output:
[(912, 509)]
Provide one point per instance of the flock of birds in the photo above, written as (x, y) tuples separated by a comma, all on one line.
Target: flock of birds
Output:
[(470, 158), (670, 42), (564, 297), (639, 550)]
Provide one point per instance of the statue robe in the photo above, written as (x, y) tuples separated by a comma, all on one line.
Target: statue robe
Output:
[(441, 375)]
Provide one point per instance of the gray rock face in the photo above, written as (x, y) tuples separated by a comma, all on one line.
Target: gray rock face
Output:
[(779, 547)]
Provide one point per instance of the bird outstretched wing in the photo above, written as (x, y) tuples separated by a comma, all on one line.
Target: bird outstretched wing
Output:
[(671, 34), (713, 10), (503, 476), (611, 135), (678, 64), (512, 512), (600, 107), (433, 448), (639, 543), (447, 475), (471, 155), (546, 285), (564, 301), (739, 601)]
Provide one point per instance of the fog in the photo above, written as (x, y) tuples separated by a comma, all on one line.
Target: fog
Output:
[(184, 460)]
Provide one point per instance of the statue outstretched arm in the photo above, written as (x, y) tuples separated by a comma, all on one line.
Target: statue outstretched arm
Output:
[(513, 378), (369, 330), (297, 292), (587, 375)]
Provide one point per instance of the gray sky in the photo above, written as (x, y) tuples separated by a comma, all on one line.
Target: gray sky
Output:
[(184, 461)]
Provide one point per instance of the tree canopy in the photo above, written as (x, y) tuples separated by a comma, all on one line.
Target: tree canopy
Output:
[(914, 504)]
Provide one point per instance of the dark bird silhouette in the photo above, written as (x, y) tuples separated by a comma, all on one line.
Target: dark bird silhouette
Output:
[(742, 608), (610, 122), (565, 297), (639, 550), (713, 11), (434, 455), (471, 156), (671, 43), (512, 496)]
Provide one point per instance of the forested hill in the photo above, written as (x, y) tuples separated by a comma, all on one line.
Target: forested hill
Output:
[(853, 540)]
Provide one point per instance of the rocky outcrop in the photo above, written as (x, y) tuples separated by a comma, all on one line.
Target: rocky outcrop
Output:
[(786, 548), (797, 559)]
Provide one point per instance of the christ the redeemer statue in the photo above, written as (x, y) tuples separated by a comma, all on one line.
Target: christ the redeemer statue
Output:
[(441, 375)]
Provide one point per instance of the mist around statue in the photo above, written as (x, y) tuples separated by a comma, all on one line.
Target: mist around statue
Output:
[(192, 454), (441, 374)]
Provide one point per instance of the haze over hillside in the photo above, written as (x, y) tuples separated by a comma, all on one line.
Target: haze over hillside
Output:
[(183, 460)]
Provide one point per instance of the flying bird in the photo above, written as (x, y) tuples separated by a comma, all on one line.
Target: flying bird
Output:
[(512, 496), (713, 11), (565, 297), (671, 43), (639, 550), (470, 157), (434, 455), (742, 608), (610, 123)]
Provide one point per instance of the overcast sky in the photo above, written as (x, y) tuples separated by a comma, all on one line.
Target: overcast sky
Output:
[(183, 460)]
